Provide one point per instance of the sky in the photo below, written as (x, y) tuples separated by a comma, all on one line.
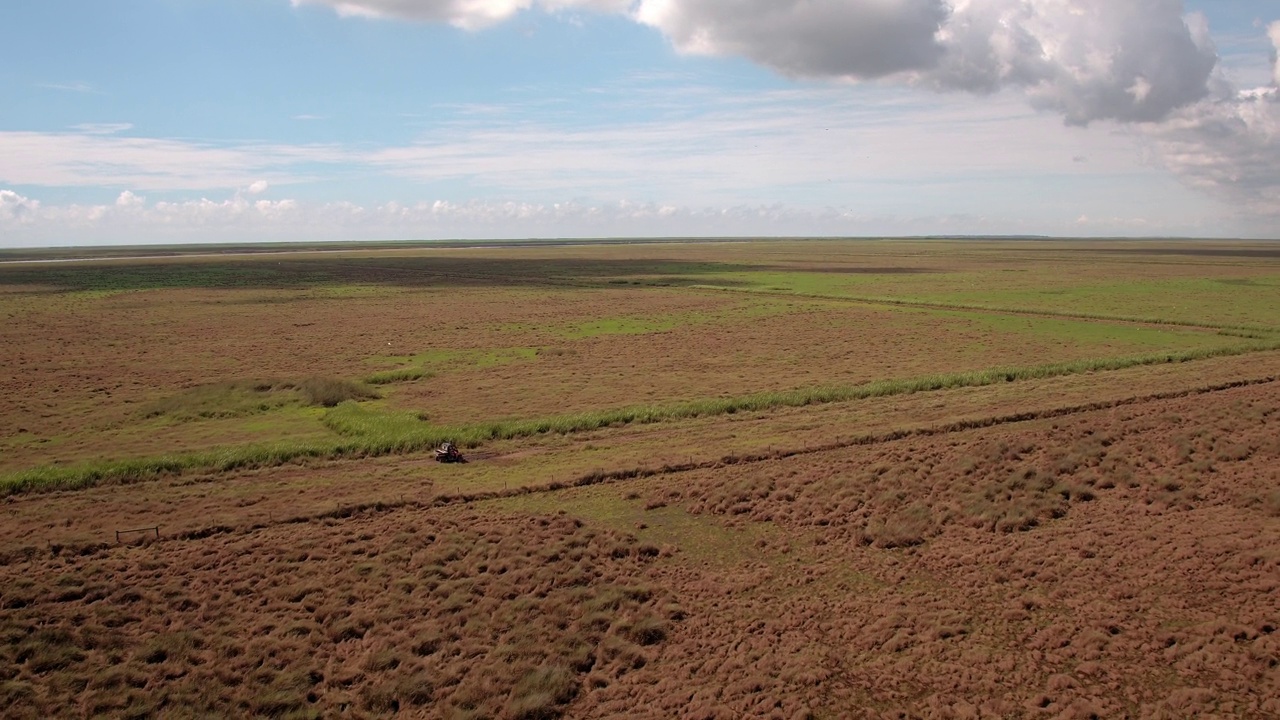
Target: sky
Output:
[(173, 121)]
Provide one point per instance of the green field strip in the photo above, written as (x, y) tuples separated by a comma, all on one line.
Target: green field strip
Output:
[(1257, 331), (636, 324), (372, 433)]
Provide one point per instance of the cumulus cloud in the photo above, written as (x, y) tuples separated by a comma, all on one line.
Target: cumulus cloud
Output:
[(1273, 32), (814, 38), (127, 199), (17, 209), (132, 213), (1229, 144), (1125, 60)]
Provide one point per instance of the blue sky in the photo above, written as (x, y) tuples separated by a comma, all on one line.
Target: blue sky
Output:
[(245, 120)]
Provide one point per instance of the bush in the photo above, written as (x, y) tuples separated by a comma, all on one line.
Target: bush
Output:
[(328, 392)]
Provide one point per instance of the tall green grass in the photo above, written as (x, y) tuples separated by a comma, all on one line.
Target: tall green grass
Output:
[(367, 432)]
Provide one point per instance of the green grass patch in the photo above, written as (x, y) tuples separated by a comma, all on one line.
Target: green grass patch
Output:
[(445, 359), (431, 363), (1226, 302), (1079, 332), (618, 326), (368, 432), (600, 327), (399, 375), (1217, 303), (354, 291), (756, 308)]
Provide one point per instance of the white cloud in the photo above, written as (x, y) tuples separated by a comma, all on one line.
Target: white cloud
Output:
[(16, 209), (815, 38), (734, 148), (466, 14), (127, 200), (102, 128), (134, 221), (95, 159), (1088, 60), (1273, 32), (1127, 60), (77, 87), (469, 14), (1229, 145), (820, 144), (879, 150)]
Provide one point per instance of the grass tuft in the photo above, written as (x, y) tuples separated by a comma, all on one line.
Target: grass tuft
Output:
[(538, 695)]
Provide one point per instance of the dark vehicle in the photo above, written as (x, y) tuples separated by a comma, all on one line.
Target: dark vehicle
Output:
[(448, 453)]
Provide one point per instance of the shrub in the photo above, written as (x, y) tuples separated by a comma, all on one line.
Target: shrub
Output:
[(328, 392)]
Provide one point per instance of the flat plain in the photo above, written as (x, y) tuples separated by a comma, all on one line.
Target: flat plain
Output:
[(806, 478)]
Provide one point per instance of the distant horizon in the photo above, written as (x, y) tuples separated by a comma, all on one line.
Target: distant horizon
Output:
[(302, 246)]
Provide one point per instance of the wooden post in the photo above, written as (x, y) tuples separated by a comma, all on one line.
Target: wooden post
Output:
[(154, 528)]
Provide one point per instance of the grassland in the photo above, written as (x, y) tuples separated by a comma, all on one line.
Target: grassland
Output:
[(714, 480)]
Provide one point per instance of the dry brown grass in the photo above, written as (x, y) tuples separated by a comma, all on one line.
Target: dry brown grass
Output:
[(882, 583), (466, 614)]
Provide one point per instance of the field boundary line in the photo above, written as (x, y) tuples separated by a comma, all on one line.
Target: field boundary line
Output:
[(998, 310), (641, 472)]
